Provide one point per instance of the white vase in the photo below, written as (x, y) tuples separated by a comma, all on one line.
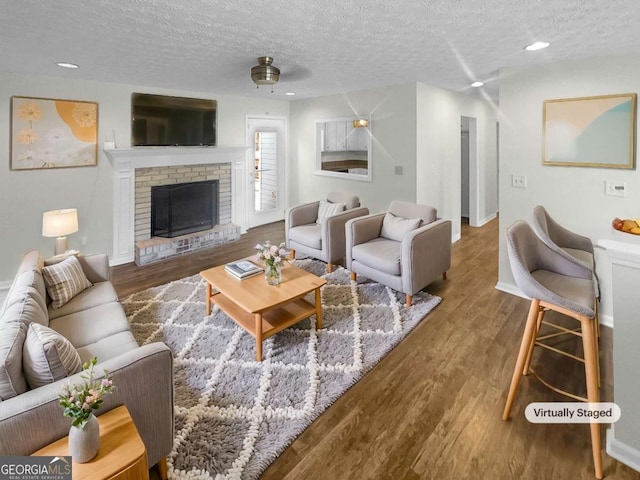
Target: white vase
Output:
[(84, 442)]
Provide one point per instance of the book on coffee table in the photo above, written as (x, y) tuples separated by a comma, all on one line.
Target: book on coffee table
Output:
[(243, 269)]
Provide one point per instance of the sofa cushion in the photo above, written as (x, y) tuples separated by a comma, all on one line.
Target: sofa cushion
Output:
[(328, 209), (47, 262), (28, 280), (64, 281), (91, 325), (19, 295), (394, 227), (308, 235), (27, 309), (12, 381), (30, 261), (108, 347), (380, 254), (97, 294), (47, 356)]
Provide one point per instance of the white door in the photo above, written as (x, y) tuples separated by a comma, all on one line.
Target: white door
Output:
[(266, 168)]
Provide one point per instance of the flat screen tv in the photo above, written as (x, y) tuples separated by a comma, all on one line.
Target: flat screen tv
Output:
[(160, 120)]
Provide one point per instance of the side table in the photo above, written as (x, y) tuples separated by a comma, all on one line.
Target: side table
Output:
[(121, 456)]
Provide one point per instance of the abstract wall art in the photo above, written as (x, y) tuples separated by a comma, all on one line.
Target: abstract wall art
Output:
[(50, 133), (590, 131)]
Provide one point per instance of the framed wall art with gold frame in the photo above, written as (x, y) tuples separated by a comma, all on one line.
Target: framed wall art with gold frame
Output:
[(590, 131), (51, 133)]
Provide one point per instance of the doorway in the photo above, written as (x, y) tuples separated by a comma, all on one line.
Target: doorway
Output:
[(469, 171), (266, 169)]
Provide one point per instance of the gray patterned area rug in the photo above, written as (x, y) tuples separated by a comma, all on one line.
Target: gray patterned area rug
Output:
[(234, 415)]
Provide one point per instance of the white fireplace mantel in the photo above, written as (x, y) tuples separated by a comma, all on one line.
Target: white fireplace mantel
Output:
[(125, 161)]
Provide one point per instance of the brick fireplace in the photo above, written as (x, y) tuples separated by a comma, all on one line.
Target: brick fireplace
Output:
[(136, 170), (152, 249)]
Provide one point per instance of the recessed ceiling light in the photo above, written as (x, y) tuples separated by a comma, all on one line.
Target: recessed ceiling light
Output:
[(290, 94), (477, 84), (536, 46), (67, 65)]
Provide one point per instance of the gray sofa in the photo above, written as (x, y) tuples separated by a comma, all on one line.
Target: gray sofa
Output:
[(96, 325)]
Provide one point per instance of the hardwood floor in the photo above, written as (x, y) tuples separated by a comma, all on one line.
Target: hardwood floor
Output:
[(432, 408), (130, 278)]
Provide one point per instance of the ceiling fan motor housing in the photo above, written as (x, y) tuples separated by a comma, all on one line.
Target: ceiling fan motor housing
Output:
[(264, 73)]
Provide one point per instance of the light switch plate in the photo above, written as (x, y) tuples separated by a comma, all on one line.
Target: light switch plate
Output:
[(615, 189)]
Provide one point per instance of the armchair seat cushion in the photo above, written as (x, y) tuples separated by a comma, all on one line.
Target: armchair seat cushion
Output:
[(309, 235), (380, 253)]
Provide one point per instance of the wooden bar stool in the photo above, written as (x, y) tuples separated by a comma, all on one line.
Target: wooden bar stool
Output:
[(554, 282)]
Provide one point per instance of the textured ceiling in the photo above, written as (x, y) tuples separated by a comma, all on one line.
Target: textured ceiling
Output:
[(321, 46)]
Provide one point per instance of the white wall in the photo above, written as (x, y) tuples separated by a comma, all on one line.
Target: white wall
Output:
[(438, 152), (574, 196), (24, 195), (415, 126), (393, 118)]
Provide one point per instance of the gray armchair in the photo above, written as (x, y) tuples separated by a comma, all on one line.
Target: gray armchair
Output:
[(322, 238), (405, 248)]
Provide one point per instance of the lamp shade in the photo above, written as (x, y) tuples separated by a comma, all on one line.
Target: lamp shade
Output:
[(58, 223)]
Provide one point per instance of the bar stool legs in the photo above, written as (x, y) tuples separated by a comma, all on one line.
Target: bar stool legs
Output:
[(589, 340), (525, 346), (591, 366)]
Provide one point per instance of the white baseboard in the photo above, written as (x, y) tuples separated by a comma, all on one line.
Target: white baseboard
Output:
[(5, 284), (622, 452), (113, 262), (510, 288), (486, 220), (606, 320)]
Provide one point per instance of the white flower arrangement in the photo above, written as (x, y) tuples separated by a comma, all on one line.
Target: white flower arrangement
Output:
[(272, 255)]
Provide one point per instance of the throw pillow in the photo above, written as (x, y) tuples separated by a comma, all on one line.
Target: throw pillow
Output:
[(64, 281), (47, 356), (12, 381), (327, 209), (394, 227), (59, 258)]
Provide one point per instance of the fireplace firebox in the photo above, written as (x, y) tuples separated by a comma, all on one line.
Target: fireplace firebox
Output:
[(183, 208)]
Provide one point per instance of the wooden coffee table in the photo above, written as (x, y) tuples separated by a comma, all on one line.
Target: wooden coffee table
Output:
[(262, 309)]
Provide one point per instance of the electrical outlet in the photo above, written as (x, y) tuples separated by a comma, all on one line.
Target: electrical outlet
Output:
[(83, 241), (398, 170), (519, 181)]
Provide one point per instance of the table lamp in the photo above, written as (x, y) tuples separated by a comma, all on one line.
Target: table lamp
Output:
[(58, 223)]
